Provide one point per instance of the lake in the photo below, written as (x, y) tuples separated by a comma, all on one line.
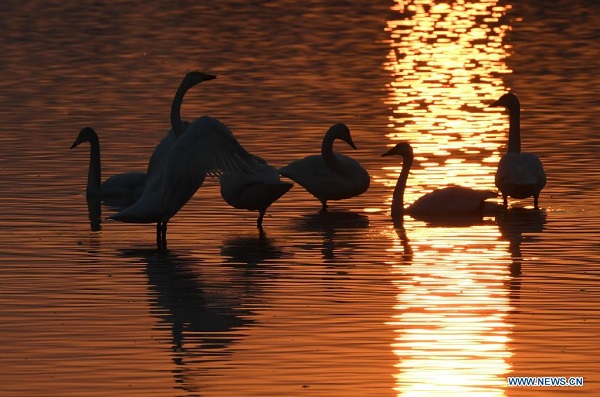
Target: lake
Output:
[(342, 303)]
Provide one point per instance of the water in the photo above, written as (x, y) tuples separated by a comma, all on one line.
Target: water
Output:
[(343, 304)]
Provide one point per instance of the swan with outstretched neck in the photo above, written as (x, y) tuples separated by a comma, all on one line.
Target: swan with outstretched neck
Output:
[(205, 147), (189, 80), (330, 176), (519, 175), (127, 185), (446, 202)]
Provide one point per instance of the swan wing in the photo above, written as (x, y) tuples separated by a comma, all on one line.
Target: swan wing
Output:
[(349, 178), (125, 184), (214, 149), (161, 150), (451, 200), (208, 147), (148, 208), (520, 175)]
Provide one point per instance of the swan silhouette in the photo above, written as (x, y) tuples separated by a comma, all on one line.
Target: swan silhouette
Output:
[(189, 80), (329, 175), (254, 191), (519, 175), (449, 201), (206, 147), (127, 184)]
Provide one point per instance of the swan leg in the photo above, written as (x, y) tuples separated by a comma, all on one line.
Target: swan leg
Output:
[(164, 236), (536, 202), (324, 205), (505, 199), (161, 235), (158, 239), (261, 215)]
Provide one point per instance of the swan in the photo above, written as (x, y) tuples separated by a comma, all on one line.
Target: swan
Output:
[(207, 147), (254, 191), (449, 201), (329, 176), (519, 175), (189, 80), (127, 184)]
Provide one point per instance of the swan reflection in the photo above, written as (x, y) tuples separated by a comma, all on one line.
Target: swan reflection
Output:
[(341, 231), (251, 250), (205, 315), (513, 224)]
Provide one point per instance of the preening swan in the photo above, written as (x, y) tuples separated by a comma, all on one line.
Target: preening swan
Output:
[(127, 184), (189, 80), (519, 175), (330, 176), (254, 191), (206, 148), (449, 201)]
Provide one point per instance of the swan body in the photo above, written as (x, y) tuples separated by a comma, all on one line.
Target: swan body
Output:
[(206, 148), (449, 201), (330, 176), (189, 80), (127, 184), (254, 191), (519, 175)]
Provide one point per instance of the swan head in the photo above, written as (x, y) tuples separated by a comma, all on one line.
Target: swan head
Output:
[(342, 132), (87, 134), (400, 149), (194, 77), (508, 100)]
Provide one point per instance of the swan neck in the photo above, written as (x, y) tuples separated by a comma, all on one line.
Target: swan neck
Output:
[(176, 122), (398, 197), (514, 130), (94, 171), (327, 151)]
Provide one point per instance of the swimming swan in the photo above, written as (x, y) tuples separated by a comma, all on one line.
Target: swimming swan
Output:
[(329, 176), (128, 184), (449, 201), (254, 191), (189, 80), (519, 175), (207, 147)]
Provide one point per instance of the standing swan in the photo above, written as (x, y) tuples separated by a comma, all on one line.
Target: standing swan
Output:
[(330, 176), (127, 184), (519, 175), (254, 191), (189, 80), (452, 200), (206, 148)]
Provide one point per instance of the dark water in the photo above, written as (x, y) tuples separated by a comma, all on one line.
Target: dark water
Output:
[(336, 305)]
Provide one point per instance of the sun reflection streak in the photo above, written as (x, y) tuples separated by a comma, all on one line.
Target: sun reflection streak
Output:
[(451, 311), (447, 61)]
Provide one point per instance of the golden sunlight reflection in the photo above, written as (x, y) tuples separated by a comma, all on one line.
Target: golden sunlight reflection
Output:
[(451, 329), (446, 61)]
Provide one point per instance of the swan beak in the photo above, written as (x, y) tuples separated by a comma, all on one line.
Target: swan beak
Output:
[(388, 153), (496, 104), (76, 143), (351, 143)]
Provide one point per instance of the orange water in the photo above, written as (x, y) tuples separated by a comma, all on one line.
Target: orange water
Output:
[(337, 305)]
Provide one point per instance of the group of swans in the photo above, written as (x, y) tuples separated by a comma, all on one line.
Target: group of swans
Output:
[(182, 160), (519, 175), (207, 147)]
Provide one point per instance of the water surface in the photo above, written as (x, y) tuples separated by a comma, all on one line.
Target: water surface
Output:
[(320, 305)]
